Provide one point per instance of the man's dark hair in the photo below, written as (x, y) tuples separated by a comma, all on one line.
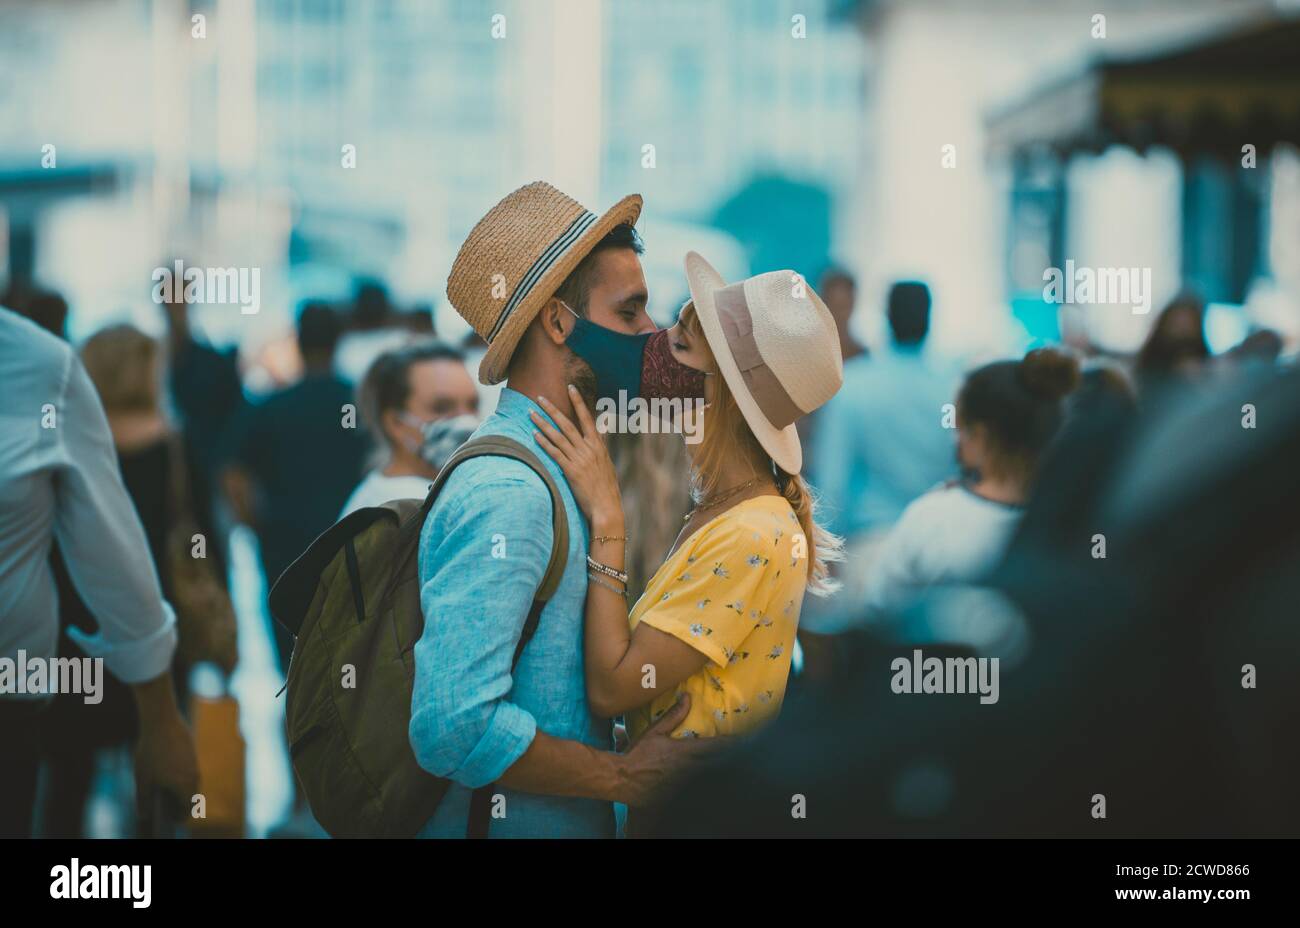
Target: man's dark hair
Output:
[(46, 308), (909, 311), (319, 328), (387, 382), (370, 306), (577, 286)]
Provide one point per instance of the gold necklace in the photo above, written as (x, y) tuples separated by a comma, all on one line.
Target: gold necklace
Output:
[(719, 498)]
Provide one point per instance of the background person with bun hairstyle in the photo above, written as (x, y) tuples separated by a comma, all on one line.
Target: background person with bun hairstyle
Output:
[(1008, 412)]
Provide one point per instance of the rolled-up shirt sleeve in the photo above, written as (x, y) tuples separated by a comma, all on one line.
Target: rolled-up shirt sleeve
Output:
[(483, 552), (104, 545)]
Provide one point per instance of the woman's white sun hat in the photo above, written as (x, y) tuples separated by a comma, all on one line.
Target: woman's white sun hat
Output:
[(776, 346)]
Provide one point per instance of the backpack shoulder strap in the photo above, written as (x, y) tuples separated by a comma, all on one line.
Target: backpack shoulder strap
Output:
[(479, 819)]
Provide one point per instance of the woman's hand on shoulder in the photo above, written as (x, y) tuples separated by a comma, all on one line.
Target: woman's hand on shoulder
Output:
[(581, 453)]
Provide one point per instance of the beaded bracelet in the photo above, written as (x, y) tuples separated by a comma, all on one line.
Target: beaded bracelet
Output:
[(596, 579), (606, 570), (610, 538)]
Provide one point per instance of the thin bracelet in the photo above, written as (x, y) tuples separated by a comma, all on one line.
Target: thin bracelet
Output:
[(606, 570), (596, 579), (610, 538)]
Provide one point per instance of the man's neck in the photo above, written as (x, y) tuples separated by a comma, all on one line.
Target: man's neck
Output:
[(849, 346), (533, 384)]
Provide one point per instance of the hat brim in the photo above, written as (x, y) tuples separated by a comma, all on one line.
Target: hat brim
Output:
[(492, 369), (782, 444)]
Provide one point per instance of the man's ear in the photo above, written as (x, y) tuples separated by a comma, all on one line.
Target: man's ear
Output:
[(551, 320)]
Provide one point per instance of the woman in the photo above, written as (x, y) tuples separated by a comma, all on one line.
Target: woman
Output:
[(420, 405), (718, 619), (1175, 352), (1008, 412)]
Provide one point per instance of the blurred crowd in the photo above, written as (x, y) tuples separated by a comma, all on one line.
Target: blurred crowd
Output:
[(937, 477), (373, 407)]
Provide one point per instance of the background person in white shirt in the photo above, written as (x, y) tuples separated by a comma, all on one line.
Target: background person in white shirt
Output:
[(1008, 412), (878, 444), (59, 480), (421, 404)]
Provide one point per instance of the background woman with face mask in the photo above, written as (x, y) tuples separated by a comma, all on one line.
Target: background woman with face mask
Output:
[(421, 405)]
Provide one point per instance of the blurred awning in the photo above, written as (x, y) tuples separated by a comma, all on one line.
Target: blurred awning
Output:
[(25, 182), (1210, 98)]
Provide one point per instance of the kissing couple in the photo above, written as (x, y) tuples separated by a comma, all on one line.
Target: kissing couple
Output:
[(514, 692)]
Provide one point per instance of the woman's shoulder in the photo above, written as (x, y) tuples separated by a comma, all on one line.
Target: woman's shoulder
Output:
[(950, 508), (938, 499), (760, 518)]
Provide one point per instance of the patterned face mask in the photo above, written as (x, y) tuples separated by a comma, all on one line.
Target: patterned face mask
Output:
[(664, 377), (441, 437)]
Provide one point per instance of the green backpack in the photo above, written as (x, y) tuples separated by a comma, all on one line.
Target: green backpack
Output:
[(353, 599)]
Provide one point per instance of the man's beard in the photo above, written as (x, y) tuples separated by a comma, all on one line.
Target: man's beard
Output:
[(579, 373)]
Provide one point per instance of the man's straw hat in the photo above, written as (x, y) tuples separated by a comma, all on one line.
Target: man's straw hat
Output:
[(776, 346), (516, 258)]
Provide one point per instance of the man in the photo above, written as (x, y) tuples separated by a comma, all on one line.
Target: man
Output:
[(533, 270), (301, 452), (839, 291), (374, 327), (880, 443), (209, 399), (59, 481), (420, 404)]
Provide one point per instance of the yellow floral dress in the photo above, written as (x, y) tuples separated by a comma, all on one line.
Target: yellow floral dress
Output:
[(732, 591)]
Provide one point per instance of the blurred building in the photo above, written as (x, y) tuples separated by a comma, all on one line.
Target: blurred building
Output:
[(742, 115), (392, 122), (982, 231), (333, 139)]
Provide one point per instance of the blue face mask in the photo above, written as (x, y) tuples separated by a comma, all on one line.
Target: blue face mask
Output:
[(614, 357)]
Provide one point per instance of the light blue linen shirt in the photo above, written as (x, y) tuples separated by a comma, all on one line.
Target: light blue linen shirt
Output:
[(483, 551)]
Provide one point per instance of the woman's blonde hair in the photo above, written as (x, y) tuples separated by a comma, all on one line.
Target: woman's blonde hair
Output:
[(650, 468), (725, 434), (125, 365)]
